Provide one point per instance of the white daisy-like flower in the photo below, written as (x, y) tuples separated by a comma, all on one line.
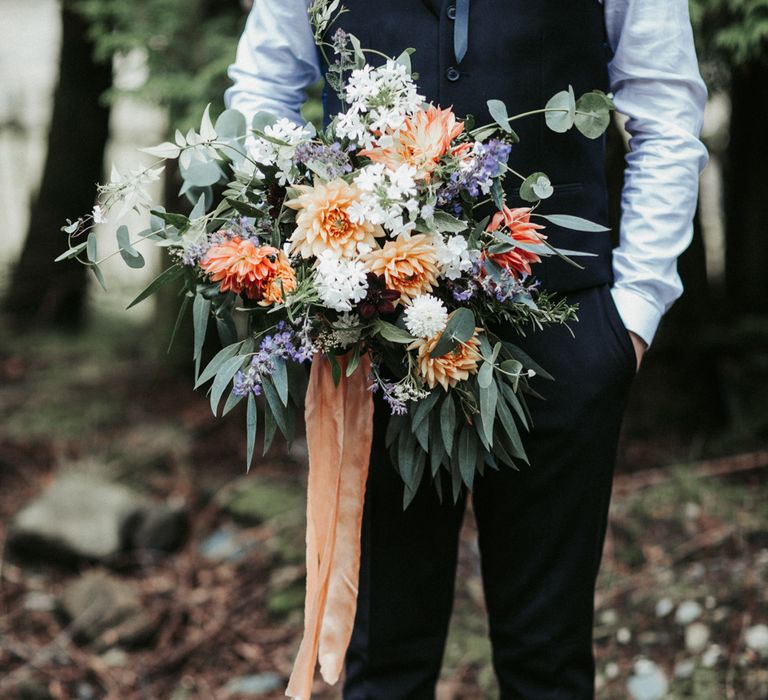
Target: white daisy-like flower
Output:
[(426, 316), (340, 282), (99, 215), (454, 256)]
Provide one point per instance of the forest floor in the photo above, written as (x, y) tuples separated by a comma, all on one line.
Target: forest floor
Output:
[(682, 601)]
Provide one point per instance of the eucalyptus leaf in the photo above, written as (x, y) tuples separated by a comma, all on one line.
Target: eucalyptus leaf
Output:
[(574, 222), (201, 173), (446, 223), (207, 131), (485, 375), (261, 120), (163, 150), (392, 333), (72, 252), (99, 276), (561, 121), (593, 115), (91, 249), (460, 328), (535, 187), (231, 124), (498, 111)]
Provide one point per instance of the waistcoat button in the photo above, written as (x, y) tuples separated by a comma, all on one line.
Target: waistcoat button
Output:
[(452, 74), (451, 11)]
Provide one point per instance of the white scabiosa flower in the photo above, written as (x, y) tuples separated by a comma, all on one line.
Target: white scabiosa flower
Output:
[(426, 316)]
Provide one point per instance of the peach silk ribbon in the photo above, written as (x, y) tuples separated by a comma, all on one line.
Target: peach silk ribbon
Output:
[(339, 425)]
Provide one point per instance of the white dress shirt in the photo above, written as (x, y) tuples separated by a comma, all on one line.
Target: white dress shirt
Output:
[(654, 80)]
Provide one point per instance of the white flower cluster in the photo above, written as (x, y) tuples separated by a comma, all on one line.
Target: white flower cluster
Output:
[(341, 282), (389, 198), (426, 316), (380, 99), (454, 256), (267, 152)]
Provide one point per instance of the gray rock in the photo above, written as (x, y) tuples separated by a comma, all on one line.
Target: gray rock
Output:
[(687, 612), (83, 516), (78, 517), (253, 685), (105, 610), (696, 637), (756, 638), (163, 529), (648, 682)]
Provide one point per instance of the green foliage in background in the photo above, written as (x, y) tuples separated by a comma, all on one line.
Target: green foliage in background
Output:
[(187, 44), (731, 33)]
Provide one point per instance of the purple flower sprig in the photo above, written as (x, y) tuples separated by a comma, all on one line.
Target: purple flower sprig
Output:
[(285, 344), (486, 163), (333, 160)]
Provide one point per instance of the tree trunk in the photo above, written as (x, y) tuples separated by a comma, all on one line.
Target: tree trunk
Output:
[(746, 203), (44, 293)]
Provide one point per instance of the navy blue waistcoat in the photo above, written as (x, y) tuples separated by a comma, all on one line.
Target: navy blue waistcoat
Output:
[(521, 52)]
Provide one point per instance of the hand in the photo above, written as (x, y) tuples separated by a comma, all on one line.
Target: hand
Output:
[(640, 347)]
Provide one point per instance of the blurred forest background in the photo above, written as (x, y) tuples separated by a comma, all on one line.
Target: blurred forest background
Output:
[(138, 560)]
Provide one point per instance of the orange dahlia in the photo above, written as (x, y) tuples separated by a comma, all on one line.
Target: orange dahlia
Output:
[(240, 266), (280, 284), (519, 226), (408, 265), (425, 137), (449, 369), (323, 222)]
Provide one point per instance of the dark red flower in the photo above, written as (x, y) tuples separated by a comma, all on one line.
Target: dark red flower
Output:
[(379, 299)]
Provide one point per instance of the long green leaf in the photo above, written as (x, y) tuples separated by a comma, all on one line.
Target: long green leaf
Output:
[(201, 310), (280, 379), (423, 408), (275, 405), (250, 422), (448, 422), (576, 223), (488, 402), (218, 360), (166, 276), (467, 455), (222, 379)]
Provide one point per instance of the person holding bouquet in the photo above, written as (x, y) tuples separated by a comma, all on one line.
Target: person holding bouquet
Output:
[(541, 528)]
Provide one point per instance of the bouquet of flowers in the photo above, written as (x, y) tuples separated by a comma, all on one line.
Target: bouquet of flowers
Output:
[(379, 250), (363, 238)]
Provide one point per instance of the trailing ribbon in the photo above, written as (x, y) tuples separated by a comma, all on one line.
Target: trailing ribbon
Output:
[(339, 425)]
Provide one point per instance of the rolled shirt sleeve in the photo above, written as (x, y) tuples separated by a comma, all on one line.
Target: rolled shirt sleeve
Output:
[(276, 61), (655, 81)]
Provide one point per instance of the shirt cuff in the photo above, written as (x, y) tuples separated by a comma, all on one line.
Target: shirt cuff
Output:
[(637, 313)]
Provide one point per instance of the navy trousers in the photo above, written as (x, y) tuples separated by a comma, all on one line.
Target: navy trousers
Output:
[(540, 534)]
